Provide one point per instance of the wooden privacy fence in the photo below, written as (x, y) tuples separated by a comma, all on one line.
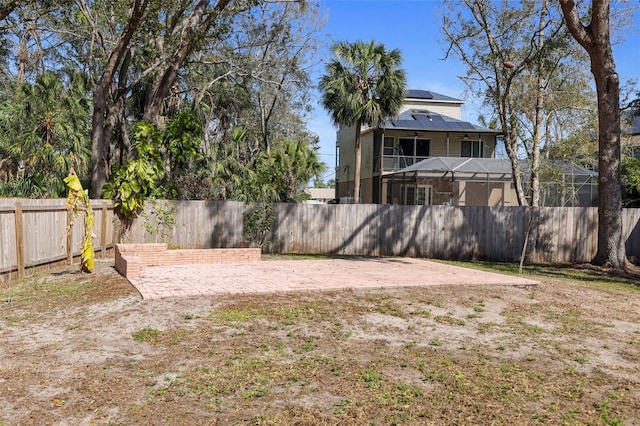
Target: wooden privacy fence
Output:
[(33, 232), (556, 235)]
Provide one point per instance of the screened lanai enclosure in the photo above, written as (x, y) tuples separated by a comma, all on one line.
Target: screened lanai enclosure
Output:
[(567, 185), (486, 182)]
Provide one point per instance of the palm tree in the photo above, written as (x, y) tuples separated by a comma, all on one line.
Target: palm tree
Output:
[(363, 85), (44, 129), (295, 163)]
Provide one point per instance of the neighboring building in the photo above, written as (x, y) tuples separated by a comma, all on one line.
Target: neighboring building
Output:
[(320, 195), (427, 155), (415, 158), (630, 123)]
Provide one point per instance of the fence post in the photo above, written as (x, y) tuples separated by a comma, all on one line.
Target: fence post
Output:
[(19, 240), (69, 237), (103, 230)]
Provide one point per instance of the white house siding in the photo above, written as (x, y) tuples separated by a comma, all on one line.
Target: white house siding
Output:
[(450, 109)]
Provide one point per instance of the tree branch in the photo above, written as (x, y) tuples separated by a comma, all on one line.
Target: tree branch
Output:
[(8, 8), (581, 33)]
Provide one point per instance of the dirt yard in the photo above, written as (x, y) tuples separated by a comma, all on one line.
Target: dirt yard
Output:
[(85, 349)]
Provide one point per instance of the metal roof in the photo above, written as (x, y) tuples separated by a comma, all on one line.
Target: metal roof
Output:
[(426, 120), (427, 94)]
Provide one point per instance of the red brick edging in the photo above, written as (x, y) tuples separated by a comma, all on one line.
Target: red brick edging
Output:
[(131, 259)]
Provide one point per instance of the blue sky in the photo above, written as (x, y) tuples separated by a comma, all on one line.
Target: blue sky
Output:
[(413, 27)]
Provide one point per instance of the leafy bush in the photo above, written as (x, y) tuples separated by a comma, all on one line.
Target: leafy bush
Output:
[(161, 158), (258, 223), (132, 183), (630, 171)]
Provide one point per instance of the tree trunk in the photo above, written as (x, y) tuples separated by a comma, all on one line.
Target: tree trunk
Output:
[(358, 158), (264, 126), (511, 145), (611, 248), (99, 144), (103, 120), (535, 145), (595, 38), (23, 56), (517, 180), (539, 112)]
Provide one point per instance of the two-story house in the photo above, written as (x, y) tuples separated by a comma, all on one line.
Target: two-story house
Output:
[(425, 155)]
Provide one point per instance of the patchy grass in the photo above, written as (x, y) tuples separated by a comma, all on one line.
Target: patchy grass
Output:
[(84, 349), (148, 335), (586, 273)]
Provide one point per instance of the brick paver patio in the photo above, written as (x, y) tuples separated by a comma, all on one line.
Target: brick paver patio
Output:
[(308, 275)]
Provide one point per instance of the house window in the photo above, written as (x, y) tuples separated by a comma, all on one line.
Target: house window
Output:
[(423, 196), (422, 147), (410, 195), (471, 149), (388, 145), (417, 195), (413, 149)]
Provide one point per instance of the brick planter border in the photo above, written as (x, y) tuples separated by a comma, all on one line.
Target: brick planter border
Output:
[(131, 259)]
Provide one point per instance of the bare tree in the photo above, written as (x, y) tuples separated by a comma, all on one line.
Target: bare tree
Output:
[(513, 56), (277, 59), (595, 38)]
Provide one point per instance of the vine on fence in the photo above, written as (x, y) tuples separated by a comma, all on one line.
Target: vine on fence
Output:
[(258, 222), (161, 220)]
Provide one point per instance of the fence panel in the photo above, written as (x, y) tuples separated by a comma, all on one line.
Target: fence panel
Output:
[(43, 237), (631, 221), (447, 232), (8, 238)]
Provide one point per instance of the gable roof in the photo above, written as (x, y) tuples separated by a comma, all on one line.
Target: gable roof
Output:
[(423, 119)]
